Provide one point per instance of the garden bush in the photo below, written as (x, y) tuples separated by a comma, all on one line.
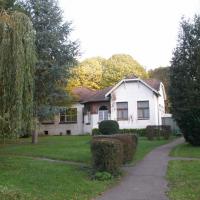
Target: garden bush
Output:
[(158, 132), (95, 131), (129, 144), (107, 154), (109, 127)]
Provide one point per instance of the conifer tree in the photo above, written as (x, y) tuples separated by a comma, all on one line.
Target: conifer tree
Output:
[(56, 54), (185, 80)]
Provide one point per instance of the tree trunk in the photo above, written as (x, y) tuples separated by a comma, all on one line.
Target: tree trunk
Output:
[(35, 133), (35, 137)]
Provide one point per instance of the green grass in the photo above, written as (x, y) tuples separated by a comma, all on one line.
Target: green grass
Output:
[(184, 179), (73, 148), (145, 146), (186, 150), (47, 180), (55, 181)]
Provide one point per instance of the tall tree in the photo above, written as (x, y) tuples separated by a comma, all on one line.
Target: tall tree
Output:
[(17, 61), (87, 74), (56, 53), (185, 80), (119, 66), (98, 73)]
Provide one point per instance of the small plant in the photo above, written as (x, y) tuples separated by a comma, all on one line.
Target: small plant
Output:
[(95, 131), (103, 176), (109, 127)]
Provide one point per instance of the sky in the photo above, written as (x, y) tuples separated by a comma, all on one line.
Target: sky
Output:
[(145, 29)]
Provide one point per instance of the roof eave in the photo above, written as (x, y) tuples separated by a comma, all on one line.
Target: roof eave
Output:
[(130, 80)]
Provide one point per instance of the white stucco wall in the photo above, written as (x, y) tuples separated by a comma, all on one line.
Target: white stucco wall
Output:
[(57, 128), (132, 92)]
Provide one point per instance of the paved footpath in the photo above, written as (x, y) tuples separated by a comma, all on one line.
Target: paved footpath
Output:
[(146, 180)]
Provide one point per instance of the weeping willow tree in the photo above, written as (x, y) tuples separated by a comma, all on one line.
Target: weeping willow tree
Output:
[(17, 61)]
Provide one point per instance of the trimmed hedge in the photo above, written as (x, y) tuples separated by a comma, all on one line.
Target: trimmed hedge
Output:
[(107, 154), (139, 132), (109, 127), (129, 144), (158, 132)]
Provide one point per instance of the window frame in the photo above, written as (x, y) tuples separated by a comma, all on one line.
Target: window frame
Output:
[(143, 110), (67, 115), (122, 110), (104, 112)]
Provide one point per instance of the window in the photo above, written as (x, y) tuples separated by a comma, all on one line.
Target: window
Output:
[(122, 111), (143, 109), (88, 118), (68, 115), (103, 113)]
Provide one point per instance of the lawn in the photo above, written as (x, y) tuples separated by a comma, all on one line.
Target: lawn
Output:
[(186, 150), (73, 148), (184, 176), (48, 181), (184, 179), (55, 181)]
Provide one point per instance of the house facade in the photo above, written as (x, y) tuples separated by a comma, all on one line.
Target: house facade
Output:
[(133, 102)]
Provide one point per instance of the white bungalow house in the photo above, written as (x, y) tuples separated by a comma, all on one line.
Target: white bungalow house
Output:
[(133, 102)]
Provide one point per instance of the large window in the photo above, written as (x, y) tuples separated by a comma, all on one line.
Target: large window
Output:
[(103, 113), (143, 109), (122, 111), (68, 115)]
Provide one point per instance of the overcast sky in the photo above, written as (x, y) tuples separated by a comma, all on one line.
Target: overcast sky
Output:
[(145, 29)]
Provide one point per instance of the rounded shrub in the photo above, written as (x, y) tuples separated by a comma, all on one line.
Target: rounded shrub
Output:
[(109, 127), (107, 155)]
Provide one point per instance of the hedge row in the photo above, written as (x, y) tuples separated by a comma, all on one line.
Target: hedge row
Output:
[(158, 132), (110, 152), (139, 132)]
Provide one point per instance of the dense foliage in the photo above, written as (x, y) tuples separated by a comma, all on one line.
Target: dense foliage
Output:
[(128, 141), (98, 73), (107, 155), (185, 80), (17, 61), (109, 127), (56, 54)]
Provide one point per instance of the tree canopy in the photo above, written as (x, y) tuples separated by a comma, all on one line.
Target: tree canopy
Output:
[(120, 66), (98, 73), (17, 62), (55, 51), (185, 80)]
